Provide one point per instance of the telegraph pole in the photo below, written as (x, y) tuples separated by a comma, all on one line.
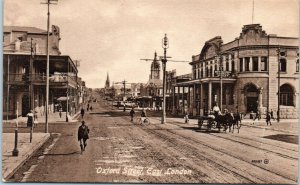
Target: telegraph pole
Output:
[(165, 45), (47, 68)]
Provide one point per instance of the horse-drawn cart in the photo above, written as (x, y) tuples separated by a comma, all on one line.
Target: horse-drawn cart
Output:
[(209, 121), (220, 121)]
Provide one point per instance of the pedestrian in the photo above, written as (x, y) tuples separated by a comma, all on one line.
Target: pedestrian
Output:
[(88, 107), (30, 118), (82, 112), (60, 112), (186, 118), (272, 115), (83, 135), (257, 115), (132, 114), (268, 118)]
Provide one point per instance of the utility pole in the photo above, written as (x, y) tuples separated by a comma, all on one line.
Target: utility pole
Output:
[(47, 68), (165, 45)]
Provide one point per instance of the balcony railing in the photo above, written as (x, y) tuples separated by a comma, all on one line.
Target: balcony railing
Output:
[(17, 77)]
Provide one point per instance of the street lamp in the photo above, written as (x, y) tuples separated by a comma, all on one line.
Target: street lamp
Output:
[(165, 45)]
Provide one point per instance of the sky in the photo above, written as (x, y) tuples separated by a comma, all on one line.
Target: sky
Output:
[(111, 36)]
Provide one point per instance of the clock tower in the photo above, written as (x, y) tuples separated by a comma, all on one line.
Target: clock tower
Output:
[(155, 69)]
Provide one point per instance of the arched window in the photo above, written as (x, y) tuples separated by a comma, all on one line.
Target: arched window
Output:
[(282, 65), (297, 65), (286, 95)]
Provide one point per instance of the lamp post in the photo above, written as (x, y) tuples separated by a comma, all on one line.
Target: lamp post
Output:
[(165, 45)]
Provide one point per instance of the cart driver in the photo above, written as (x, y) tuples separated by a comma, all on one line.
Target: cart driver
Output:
[(216, 109)]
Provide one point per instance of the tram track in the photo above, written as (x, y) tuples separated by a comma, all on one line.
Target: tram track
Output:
[(185, 143), (253, 140), (187, 139)]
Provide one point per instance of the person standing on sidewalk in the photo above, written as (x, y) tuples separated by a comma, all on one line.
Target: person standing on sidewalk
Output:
[(30, 119), (268, 118), (83, 135), (132, 114), (82, 112), (60, 110)]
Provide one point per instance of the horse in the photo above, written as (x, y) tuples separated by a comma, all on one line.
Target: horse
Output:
[(228, 120), (236, 120)]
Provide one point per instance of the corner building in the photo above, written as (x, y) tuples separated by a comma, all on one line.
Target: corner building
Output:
[(250, 66)]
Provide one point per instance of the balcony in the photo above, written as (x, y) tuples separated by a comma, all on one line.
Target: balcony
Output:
[(55, 79)]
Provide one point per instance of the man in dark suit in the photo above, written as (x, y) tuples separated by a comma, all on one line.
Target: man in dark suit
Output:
[(83, 135)]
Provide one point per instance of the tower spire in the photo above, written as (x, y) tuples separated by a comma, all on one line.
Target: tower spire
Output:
[(107, 83)]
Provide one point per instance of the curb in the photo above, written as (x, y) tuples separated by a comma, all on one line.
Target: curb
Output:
[(25, 158)]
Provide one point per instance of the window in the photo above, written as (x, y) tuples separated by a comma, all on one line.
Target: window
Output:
[(286, 95), (227, 65), (297, 66), (232, 65), (255, 63), (199, 75), (241, 64), (282, 65), (247, 63), (211, 71), (264, 64), (206, 72)]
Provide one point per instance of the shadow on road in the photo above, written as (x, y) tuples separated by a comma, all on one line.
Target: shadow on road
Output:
[(70, 153)]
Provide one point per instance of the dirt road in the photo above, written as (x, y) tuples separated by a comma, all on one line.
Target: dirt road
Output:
[(120, 151)]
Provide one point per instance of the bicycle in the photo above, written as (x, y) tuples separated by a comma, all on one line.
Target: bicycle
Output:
[(138, 120)]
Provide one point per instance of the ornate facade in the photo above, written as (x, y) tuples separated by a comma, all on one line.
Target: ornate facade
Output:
[(249, 68)]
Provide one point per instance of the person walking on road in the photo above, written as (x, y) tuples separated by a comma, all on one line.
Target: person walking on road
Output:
[(82, 112), (83, 135), (268, 118), (272, 115), (132, 114)]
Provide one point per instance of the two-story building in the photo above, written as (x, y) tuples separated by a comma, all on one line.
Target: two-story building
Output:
[(247, 72), (24, 72)]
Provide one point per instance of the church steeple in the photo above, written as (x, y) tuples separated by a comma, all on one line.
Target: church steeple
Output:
[(155, 68), (107, 83)]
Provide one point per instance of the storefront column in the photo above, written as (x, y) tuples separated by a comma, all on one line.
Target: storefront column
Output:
[(177, 102), (173, 102), (201, 100), (242, 97), (260, 98), (251, 64), (209, 95), (259, 63), (189, 100), (194, 100), (183, 101)]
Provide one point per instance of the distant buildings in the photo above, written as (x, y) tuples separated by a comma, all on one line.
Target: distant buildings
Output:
[(24, 73)]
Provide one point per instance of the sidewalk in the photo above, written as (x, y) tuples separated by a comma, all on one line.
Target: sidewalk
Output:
[(10, 164), (285, 125), (52, 118)]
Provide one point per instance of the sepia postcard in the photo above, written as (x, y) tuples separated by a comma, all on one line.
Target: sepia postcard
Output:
[(143, 91)]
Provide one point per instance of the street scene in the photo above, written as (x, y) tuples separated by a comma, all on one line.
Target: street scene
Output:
[(138, 92)]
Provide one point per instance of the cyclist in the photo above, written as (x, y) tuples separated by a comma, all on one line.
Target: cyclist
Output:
[(143, 115)]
